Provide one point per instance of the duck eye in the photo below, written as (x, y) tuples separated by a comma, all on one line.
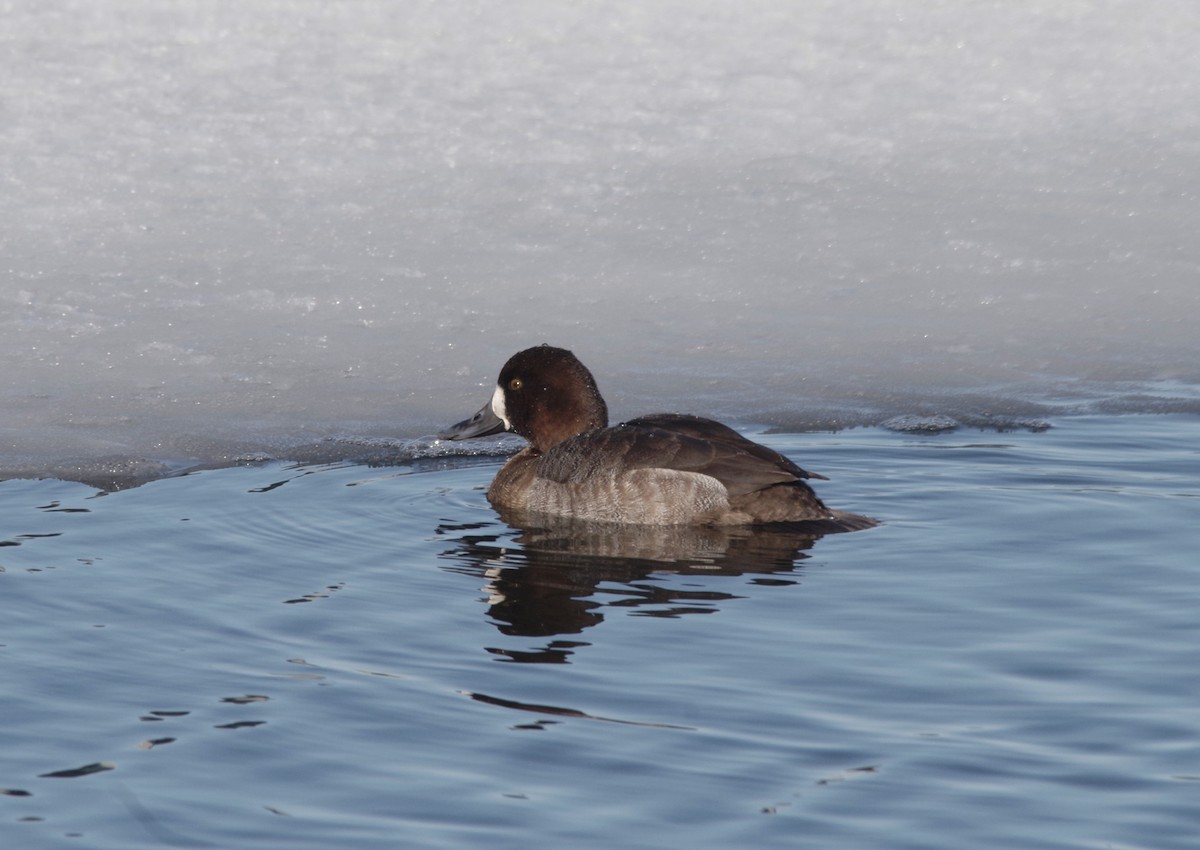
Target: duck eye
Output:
[(516, 384)]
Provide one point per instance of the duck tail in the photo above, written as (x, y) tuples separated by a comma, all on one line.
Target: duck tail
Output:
[(846, 521)]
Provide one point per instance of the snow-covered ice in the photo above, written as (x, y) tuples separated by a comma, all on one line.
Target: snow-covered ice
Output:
[(228, 231)]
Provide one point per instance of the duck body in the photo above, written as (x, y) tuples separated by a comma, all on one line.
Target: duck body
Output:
[(662, 469)]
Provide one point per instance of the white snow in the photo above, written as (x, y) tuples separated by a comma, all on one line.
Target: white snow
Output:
[(227, 229)]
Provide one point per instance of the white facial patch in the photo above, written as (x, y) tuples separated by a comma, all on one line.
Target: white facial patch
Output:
[(498, 408)]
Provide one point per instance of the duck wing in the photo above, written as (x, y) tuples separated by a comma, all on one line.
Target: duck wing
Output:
[(699, 428), (671, 441)]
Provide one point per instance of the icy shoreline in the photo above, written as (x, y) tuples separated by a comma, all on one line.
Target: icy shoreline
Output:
[(231, 233)]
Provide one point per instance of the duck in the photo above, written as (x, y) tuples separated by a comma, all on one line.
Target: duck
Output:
[(660, 469)]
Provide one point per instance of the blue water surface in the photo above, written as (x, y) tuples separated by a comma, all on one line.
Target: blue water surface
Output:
[(339, 655)]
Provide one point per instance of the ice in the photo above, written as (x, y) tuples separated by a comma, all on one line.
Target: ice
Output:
[(913, 424), (233, 232)]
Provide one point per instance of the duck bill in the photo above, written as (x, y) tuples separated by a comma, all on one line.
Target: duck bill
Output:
[(482, 424)]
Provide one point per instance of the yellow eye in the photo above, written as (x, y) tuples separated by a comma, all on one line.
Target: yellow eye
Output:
[(516, 384)]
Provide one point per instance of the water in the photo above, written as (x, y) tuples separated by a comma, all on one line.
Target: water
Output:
[(309, 655)]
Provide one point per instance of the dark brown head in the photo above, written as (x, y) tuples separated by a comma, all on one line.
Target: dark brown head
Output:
[(544, 394)]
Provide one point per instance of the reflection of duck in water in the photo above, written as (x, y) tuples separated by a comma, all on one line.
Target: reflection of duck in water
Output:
[(664, 469), (562, 574)]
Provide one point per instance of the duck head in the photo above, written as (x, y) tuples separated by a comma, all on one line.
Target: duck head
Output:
[(544, 394)]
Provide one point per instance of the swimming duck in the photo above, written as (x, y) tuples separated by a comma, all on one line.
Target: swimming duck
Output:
[(662, 469)]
